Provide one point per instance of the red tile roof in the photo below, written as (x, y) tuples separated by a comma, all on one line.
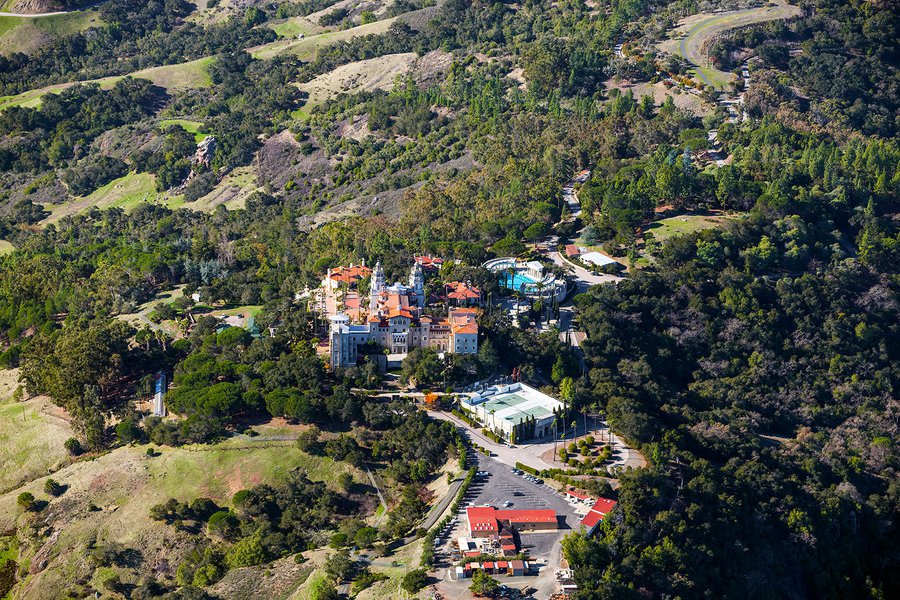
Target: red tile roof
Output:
[(350, 274), (527, 516), (591, 519), (597, 513), (429, 262), (577, 494), (484, 518), (603, 505), (471, 328), (457, 290), (402, 312), (572, 250)]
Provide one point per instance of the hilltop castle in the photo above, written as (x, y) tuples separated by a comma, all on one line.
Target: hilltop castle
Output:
[(395, 322)]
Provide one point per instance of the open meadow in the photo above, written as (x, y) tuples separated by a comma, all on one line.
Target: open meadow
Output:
[(108, 499)]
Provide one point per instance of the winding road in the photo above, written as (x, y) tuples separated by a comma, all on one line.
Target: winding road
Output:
[(48, 14), (700, 34)]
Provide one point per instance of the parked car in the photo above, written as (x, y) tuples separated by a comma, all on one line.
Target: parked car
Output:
[(507, 504)]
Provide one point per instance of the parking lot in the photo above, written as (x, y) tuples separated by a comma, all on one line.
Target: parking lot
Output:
[(498, 487)]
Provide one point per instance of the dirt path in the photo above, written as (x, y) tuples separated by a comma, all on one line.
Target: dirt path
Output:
[(48, 14)]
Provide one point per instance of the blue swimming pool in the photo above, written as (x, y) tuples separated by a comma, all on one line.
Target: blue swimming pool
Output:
[(517, 280)]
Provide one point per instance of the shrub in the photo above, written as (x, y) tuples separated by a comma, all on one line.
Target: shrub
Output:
[(366, 579), (53, 488), (128, 431), (25, 500), (323, 590), (414, 581), (73, 446), (527, 469), (223, 524), (248, 552)]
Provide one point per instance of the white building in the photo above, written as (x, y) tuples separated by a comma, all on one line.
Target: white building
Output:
[(503, 408), (598, 259)]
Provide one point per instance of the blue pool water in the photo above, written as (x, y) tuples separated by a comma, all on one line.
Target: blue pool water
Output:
[(518, 280)]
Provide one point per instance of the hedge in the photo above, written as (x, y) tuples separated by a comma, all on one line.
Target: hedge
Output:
[(527, 469)]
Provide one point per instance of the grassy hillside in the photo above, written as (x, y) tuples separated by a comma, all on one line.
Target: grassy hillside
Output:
[(20, 34), (31, 435), (364, 75), (108, 499), (125, 192), (174, 78)]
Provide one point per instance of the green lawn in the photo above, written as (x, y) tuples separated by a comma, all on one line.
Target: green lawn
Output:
[(30, 441), (187, 125), (682, 224), (295, 26), (125, 192)]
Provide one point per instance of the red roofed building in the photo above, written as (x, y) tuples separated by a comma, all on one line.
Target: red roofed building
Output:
[(603, 505), (396, 322), (462, 294), (596, 514), (429, 263), (485, 521), (572, 250), (349, 276), (576, 494)]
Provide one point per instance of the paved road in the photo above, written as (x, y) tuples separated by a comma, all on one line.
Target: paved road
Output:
[(730, 20), (532, 454), (380, 497), (47, 14), (583, 278), (438, 509)]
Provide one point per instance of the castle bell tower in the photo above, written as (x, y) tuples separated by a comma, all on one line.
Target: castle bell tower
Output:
[(417, 283), (376, 286)]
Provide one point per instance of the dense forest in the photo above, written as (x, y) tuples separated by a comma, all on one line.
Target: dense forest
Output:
[(759, 368), (754, 364)]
